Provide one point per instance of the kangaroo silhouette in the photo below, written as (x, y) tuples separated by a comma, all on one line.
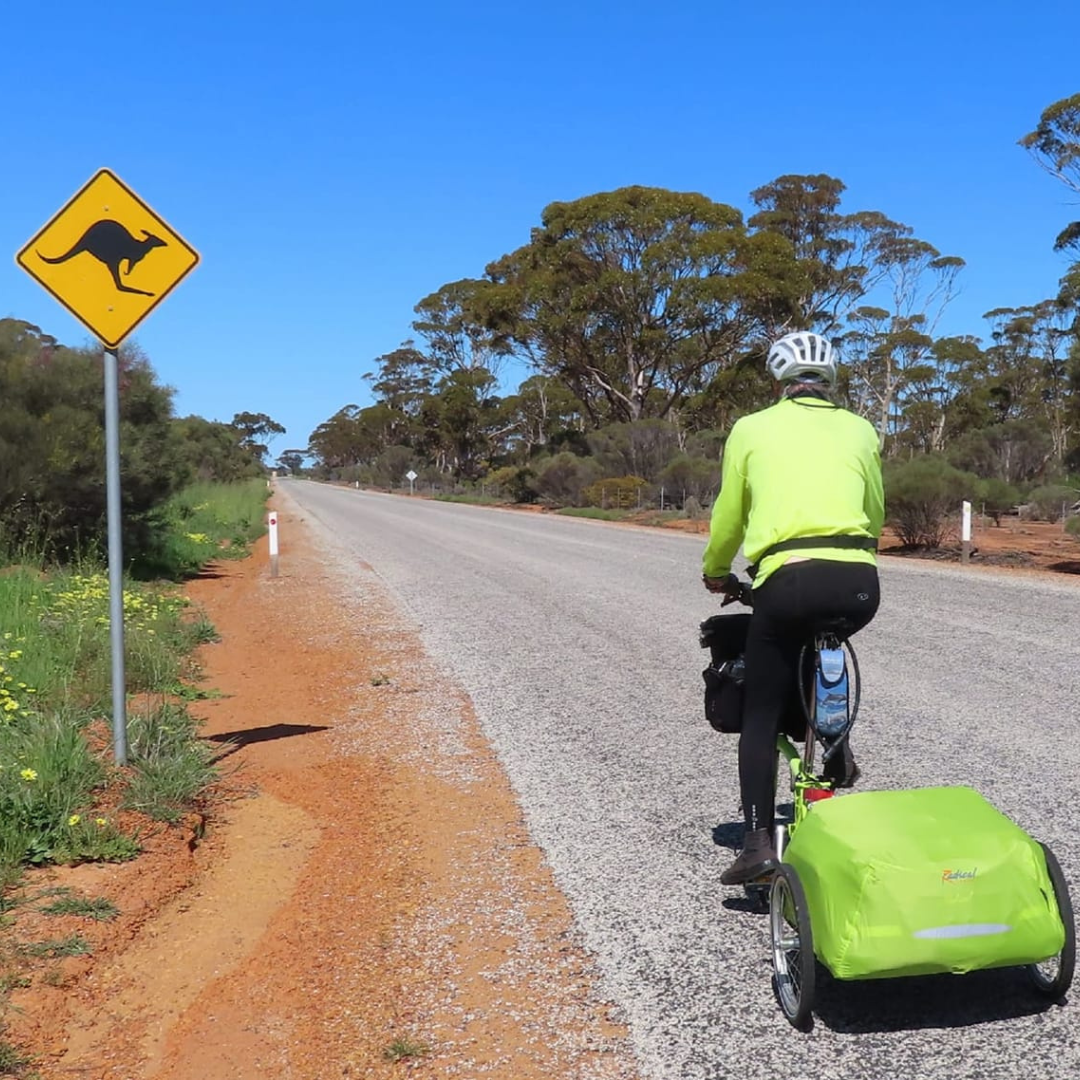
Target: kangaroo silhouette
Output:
[(110, 243)]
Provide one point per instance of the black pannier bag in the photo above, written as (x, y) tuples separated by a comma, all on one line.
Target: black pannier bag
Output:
[(725, 638)]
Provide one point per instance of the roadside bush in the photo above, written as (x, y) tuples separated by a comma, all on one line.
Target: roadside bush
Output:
[(515, 482), (923, 498), (52, 451), (1016, 451), (619, 492), (55, 679), (690, 477), (1046, 502), (996, 497), (562, 479), (593, 512), (391, 465), (48, 773), (640, 448)]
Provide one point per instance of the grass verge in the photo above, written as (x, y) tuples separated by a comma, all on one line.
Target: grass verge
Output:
[(479, 499), (203, 522), (62, 799), (595, 512)]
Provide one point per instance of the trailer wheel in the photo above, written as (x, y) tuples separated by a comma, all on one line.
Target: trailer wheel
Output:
[(1053, 977), (794, 964)]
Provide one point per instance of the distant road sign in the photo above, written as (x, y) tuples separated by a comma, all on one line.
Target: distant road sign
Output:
[(108, 258), (410, 476)]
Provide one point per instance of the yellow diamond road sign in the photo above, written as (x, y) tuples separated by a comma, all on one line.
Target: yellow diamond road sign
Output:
[(108, 258)]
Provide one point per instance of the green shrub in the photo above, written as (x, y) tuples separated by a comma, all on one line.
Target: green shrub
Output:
[(52, 452), (562, 479), (1047, 502), (516, 482), (996, 497), (923, 497), (686, 477), (618, 492)]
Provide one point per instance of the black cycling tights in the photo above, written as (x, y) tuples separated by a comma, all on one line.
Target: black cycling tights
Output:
[(786, 609)]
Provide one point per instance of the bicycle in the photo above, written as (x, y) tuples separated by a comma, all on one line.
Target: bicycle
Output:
[(807, 786), (818, 857)]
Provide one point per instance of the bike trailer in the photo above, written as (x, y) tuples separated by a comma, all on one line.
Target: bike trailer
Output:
[(923, 881)]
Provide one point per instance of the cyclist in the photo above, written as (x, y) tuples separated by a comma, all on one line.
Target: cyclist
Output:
[(802, 492)]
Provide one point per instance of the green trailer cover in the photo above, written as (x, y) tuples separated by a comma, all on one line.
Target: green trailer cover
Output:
[(922, 881)]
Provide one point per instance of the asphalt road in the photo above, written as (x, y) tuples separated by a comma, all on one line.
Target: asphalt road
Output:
[(577, 642)]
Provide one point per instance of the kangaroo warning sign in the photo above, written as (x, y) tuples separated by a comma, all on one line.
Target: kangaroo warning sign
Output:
[(108, 258)]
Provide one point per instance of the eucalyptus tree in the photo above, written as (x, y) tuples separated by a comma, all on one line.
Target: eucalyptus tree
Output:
[(1055, 145), (1027, 370), (891, 345), (839, 253), (456, 339), (633, 297)]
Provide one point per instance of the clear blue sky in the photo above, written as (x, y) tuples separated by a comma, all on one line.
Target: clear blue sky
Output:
[(335, 162)]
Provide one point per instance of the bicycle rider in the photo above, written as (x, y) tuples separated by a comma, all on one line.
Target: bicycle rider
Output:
[(802, 492)]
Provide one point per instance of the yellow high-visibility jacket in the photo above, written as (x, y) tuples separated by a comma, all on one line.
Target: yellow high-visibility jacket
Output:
[(802, 467)]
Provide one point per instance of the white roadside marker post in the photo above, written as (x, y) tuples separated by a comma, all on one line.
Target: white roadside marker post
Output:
[(965, 533), (273, 544)]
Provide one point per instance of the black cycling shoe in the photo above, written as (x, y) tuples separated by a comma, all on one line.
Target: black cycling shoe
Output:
[(850, 778), (756, 860), (841, 770)]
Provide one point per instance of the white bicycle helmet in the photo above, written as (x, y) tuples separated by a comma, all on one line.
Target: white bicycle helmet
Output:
[(802, 353)]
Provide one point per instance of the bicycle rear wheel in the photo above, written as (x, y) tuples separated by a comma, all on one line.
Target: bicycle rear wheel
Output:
[(794, 966), (1053, 977)]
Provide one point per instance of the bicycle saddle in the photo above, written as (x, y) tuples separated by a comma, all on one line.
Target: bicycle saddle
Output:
[(841, 627)]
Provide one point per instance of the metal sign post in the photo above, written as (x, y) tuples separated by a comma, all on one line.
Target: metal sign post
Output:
[(411, 476), (110, 260), (116, 554)]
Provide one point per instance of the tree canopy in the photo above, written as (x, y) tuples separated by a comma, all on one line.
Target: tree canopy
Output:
[(641, 317)]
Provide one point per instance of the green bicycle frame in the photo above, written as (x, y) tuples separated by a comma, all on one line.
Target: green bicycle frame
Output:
[(802, 779), (801, 769)]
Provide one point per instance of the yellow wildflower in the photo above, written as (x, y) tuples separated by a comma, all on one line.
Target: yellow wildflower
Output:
[(74, 819), (28, 774)]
